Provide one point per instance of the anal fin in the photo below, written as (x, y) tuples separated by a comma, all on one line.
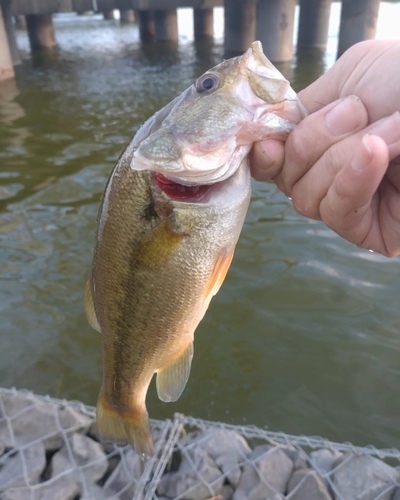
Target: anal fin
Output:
[(172, 379), (89, 308)]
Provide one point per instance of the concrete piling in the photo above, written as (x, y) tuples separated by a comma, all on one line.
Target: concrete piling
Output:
[(166, 25), (6, 65), (10, 30), (108, 15), (313, 23), (20, 22), (40, 31), (127, 15), (147, 29), (358, 22), (203, 20), (275, 24), (240, 25)]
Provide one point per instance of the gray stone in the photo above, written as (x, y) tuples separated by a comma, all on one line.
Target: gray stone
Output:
[(12, 473), (185, 481), (362, 477), (227, 448), (396, 495), (323, 461), (87, 455), (275, 467), (2, 448), (95, 492), (298, 459), (33, 419), (125, 476), (61, 488), (306, 483)]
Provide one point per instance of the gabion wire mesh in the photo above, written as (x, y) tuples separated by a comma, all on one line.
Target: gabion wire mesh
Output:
[(49, 449)]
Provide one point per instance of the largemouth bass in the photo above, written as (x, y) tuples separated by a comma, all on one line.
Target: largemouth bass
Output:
[(168, 224)]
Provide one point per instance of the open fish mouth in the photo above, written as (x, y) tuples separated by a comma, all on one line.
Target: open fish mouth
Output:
[(197, 193)]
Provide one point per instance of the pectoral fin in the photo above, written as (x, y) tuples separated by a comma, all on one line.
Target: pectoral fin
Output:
[(218, 273), (172, 379), (157, 246), (89, 308)]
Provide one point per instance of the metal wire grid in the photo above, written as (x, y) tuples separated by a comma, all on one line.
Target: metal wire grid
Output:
[(181, 437)]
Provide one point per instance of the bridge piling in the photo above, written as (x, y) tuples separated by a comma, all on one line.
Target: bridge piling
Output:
[(166, 25), (275, 24), (147, 31), (240, 25), (358, 22), (10, 30), (313, 24), (203, 20), (40, 31), (108, 15), (127, 15), (6, 65)]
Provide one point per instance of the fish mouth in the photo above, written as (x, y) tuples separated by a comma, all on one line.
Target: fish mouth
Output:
[(197, 193)]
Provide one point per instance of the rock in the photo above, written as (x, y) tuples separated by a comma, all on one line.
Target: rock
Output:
[(227, 448), (125, 476), (299, 461), (306, 483), (361, 477), (226, 492), (97, 493), (323, 461), (396, 495), (186, 482), (61, 488), (12, 473), (87, 455), (33, 419), (275, 467), (2, 448)]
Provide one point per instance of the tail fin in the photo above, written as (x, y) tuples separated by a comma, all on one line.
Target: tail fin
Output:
[(127, 426)]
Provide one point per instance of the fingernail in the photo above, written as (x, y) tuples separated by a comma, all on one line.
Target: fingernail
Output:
[(387, 129), (346, 116), (362, 156)]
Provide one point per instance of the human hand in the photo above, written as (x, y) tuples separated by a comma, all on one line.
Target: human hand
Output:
[(340, 164)]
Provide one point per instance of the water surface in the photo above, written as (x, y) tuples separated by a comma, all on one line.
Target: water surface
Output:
[(304, 336)]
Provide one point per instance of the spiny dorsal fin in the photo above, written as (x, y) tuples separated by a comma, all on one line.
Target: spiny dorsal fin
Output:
[(172, 379), (89, 308)]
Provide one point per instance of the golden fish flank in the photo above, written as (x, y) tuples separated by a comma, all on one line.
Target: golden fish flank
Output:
[(168, 224)]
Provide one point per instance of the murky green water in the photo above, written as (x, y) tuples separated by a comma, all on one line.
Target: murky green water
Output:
[(303, 337)]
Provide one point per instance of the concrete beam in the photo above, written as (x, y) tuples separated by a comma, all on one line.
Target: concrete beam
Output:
[(24, 7), (240, 25), (314, 23), (6, 65), (40, 31), (357, 23), (275, 24)]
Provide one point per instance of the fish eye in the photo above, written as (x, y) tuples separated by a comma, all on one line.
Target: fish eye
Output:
[(206, 82)]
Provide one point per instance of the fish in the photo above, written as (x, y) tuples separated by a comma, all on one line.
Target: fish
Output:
[(168, 224)]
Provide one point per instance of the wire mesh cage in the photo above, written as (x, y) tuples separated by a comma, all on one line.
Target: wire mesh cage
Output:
[(49, 450)]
